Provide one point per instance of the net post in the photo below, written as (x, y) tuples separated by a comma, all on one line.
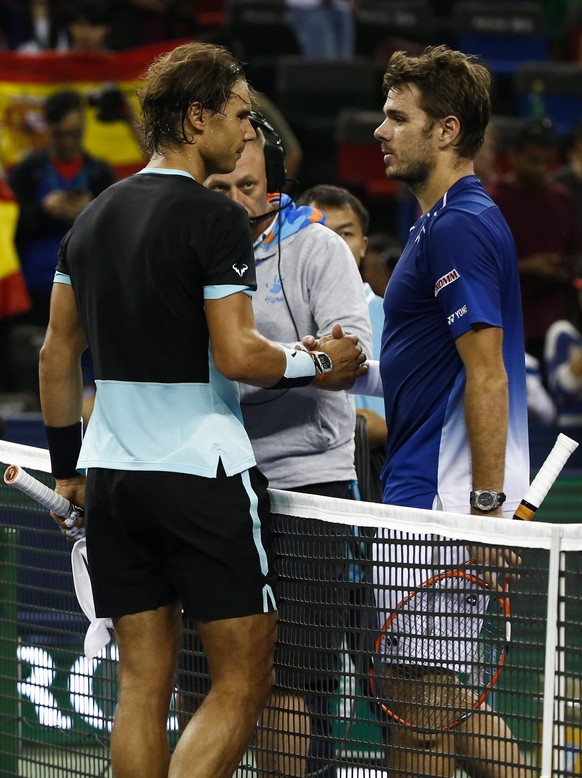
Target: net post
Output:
[(551, 648), (561, 683), (9, 741)]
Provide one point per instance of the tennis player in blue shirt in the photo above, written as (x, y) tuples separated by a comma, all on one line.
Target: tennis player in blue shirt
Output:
[(452, 363), (452, 369)]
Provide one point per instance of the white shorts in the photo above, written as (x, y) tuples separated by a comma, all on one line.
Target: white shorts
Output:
[(443, 622)]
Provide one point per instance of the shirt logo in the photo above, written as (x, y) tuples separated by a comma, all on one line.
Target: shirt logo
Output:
[(240, 269), (445, 280), (457, 314), (275, 291)]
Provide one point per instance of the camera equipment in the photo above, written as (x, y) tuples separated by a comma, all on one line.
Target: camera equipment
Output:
[(110, 102)]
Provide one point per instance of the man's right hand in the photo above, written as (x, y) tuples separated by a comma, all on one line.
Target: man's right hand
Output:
[(495, 565), (74, 490), (349, 361)]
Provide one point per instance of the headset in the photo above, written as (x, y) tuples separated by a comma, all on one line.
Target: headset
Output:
[(276, 179), (274, 154)]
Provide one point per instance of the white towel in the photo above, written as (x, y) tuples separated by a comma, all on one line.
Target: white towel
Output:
[(98, 635)]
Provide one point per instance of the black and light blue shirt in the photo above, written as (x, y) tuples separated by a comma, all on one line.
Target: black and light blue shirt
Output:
[(142, 259)]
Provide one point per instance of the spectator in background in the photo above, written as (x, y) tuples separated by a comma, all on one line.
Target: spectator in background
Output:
[(541, 408), (563, 360), (348, 218), (52, 187), (324, 29), (486, 163), (382, 254), (542, 218), (89, 23), (570, 175), (41, 27)]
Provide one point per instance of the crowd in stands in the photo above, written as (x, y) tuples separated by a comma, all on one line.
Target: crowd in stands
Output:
[(531, 169), (529, 164)]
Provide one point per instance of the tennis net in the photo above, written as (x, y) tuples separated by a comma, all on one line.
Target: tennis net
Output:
[(353, 673)]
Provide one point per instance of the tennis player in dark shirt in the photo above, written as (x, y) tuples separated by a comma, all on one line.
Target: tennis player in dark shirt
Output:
[(156, 276)]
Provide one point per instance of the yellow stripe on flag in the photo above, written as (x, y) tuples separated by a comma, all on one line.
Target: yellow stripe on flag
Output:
[(9, 262), (13, 293)]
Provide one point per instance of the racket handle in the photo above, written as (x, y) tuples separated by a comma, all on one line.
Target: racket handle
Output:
[(45, 496), (548, 472)]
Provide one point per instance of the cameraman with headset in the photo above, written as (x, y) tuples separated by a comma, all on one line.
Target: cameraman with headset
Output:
[(302, 440)]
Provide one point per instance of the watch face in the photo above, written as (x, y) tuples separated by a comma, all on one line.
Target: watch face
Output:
[(485, 501), (324, 363)]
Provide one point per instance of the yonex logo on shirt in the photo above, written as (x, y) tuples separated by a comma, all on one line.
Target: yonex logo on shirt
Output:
[(445, 280), (457, 314)]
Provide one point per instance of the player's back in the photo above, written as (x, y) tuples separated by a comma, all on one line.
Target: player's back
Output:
[(141, 259), (138, 258)]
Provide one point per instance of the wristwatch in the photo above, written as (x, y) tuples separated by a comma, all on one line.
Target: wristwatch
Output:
[(486, 499), (322, 362)]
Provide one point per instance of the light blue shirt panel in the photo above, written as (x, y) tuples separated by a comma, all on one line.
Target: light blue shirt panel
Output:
[(166, 171), (376, 311), (178, 428), (62, 278), (220, 291)]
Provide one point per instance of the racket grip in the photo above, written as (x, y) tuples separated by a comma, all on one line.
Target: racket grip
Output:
[(45, 496), (548, 472)]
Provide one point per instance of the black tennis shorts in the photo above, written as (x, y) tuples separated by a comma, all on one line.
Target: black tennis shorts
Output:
[(154, 538)]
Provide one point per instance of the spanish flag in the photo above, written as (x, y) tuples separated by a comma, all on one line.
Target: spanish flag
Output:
[(26, 80), (13, 294)]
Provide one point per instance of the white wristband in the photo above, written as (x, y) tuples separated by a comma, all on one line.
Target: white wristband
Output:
[(299, 364)]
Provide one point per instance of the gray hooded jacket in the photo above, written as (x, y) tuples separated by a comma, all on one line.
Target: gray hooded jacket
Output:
[(307, 280)]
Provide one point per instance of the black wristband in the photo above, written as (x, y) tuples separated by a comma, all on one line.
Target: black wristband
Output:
[(290, 383), (64, 446)]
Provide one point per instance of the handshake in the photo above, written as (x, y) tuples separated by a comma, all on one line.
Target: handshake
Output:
[(348, 360)]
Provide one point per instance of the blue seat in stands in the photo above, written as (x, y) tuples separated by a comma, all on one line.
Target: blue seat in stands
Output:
[(560, 86), (502, 34)]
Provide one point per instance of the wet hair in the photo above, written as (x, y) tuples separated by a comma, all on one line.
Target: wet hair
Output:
[(328, 196), (450, 84), (192, 72), (59, 104)]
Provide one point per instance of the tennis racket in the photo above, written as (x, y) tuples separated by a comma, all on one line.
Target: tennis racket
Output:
[(442, 650), (17, 477)]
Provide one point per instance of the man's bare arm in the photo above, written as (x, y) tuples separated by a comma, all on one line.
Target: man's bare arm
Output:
[(61, 382), (486, 405), (241, 353)]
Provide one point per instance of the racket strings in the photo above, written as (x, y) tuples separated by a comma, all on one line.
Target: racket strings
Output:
[(441, 651)]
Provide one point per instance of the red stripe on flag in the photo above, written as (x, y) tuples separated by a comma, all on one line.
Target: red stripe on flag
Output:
[(65, 67), (13, 295)]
